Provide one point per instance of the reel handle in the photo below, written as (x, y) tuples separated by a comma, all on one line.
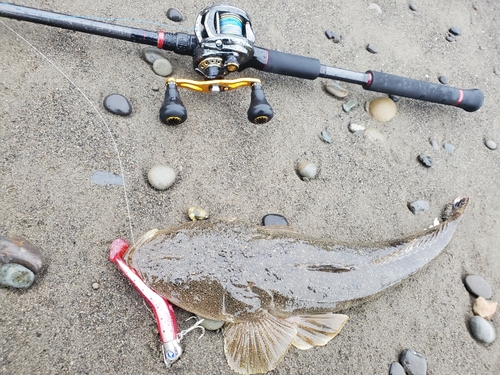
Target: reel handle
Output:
[(172, 111), (470, 100), (259, 111)]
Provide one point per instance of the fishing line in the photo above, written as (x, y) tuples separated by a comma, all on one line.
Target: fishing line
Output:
[(113, 140)]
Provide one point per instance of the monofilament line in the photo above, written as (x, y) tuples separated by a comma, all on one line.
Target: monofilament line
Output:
[(115, 145)]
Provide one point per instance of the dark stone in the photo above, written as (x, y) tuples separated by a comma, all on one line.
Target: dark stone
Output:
[(455, 30), (443, 80), (425, 160), (396, 369), (274, 219), (174, 15), (414, 363), (372, 48), (478, 286), (117, 104), (16, 249), (395, 98)]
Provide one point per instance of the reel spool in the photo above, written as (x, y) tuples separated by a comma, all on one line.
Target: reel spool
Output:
[(225, 42)]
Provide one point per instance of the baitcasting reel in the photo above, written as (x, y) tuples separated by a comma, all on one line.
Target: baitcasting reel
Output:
[(225, 43)]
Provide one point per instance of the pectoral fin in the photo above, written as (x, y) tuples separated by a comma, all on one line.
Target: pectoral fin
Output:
[(257, 346), (316, 330)]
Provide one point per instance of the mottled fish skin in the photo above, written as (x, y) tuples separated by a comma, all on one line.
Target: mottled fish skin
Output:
[(236, 272)]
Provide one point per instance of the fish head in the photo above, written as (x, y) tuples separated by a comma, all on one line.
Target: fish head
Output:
[(172, 351)]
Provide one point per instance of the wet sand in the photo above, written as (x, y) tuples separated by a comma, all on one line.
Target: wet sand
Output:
[(53, 141)]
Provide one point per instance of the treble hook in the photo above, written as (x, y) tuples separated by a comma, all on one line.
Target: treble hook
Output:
[(196, 325)]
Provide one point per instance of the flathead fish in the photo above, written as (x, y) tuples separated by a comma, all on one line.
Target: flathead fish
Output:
[(275, 288)]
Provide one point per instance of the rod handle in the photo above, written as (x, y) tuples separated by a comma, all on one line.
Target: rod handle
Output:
[(469, 100), (172, 111)]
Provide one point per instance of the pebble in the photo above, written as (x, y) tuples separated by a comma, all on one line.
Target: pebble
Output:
[(478, 286), (396, 369), (307, 170), (209, 324), (16, 276), (17, 249), (484, 308), (450, 38), (434, 144), (382, 109), (455, 30), (95, 286), (418, 206), (174, 15), (326, 137), (336, 90), (356, 129), (413, 362), (443, 80), (413, 7), (395, 98), (105, 178), (329, 34), (425, 160), (274, 219), (374, 135), (161, 177), (162, 67), (449, 148), (155, 87), (375, 7), (496, 71), (197, 213), (490, 144), (350, 104), (151, 54), (117, 104), (372, 48), (482, 330)]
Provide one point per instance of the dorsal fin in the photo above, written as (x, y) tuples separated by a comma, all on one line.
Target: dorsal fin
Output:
[(258, 345), (316, 330)]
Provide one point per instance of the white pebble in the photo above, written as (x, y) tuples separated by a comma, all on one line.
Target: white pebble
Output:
[(307, 170), (161, 177), (95, 286), (356, 129), (162, 67), (490, 144)]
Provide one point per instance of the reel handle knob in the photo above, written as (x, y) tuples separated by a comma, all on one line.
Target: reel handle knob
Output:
[(260, 111), (172, 111)]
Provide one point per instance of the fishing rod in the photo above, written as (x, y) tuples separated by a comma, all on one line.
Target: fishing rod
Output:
[(223, 43)]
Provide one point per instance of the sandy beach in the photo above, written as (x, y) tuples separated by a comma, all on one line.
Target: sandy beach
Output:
[(53, 140)]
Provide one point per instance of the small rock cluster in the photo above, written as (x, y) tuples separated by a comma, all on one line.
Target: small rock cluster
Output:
[(158, 59), (410, 363), (480, 328), (453, 32)]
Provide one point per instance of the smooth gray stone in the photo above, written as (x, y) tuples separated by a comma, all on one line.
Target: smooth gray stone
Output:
[(117, 104), (105, 178), (174, 15), (396, 369), (372, 48), (151, 54), (413, 362), (418, 206), (482, 330), (455, 30), (444, 80), (274, 219), (16, 276), (478, 286), (450, 38), (162, 67), (350, 104), (413, 7)]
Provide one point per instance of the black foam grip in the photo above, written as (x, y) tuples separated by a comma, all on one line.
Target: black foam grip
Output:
[(291, 65), (469, 100)]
